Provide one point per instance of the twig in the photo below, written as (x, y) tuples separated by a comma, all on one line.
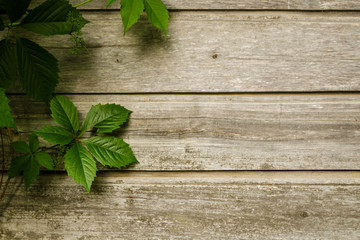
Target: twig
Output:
[(78, 5), (12, 156), (4, 190), (3, 158)]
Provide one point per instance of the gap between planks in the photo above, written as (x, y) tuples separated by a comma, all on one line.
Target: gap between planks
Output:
[(246, 177)]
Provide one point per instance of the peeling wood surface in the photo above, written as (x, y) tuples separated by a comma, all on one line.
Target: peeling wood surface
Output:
[(235, 4), (214, 52), (186, 206), (227, 132)]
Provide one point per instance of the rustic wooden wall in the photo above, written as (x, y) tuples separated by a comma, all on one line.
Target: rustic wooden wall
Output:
[(246, 124)]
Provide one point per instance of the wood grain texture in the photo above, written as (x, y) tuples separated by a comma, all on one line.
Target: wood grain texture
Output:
[(312, 205), (235, 4), (227, 132), (214, 52)]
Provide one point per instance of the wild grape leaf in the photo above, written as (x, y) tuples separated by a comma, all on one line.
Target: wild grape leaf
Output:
[(33, 142), (65, 113), (111, 151), (106, 117), (31, 171), (50, 18), (55, 134), (18, 164), (157, 13), (80, 165), (45, 160), (130, 12), (38, 69), (110, 2), (8, 71), (6, 119), (15, 9), (21, 147)]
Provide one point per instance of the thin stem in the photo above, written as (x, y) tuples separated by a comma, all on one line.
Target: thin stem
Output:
[(49, 148), (4, 190), (12, 156), (9, 135), (3, 158), (78, 5)]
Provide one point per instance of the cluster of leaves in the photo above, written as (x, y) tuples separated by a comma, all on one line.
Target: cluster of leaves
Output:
[(80, 153), (38, 72), (23, 59), (30, 161)]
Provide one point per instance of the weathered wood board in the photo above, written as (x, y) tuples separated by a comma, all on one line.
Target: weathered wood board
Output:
[(227, 132), (214, 52), (235, 4), (223, 205), (222, 109)]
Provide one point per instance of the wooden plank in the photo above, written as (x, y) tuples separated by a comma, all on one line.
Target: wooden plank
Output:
[(214, 52), (227, 132), (290, 205), (235, 4)]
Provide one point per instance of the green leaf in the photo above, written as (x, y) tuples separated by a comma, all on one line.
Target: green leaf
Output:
[(157, 13), (21, 147), (17, 165), (110, 2), (80, 165), (111, 151), (38, 69), (31, 171), (33, 142), (130, 12), (15, 9), (45, 160), (6, 119), (8, 71), (55, 134), (106, 117), (65, 113), (49, 18)]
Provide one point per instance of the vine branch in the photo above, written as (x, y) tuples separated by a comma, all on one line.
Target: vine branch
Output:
[(85, 2), (3, 158)]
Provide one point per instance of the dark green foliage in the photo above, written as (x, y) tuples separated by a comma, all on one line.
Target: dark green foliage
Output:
[(15, 9), (42, 19), (8, 71), (38, 69), (29, 163)]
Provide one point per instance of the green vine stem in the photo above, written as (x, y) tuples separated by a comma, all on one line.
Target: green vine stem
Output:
[(12, 156), (85, 2), (3, 158)]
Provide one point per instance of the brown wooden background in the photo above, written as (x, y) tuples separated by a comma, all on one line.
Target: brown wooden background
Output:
[(246, 123)]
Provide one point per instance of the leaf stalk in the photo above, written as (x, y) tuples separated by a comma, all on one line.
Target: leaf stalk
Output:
[(80, 4)]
